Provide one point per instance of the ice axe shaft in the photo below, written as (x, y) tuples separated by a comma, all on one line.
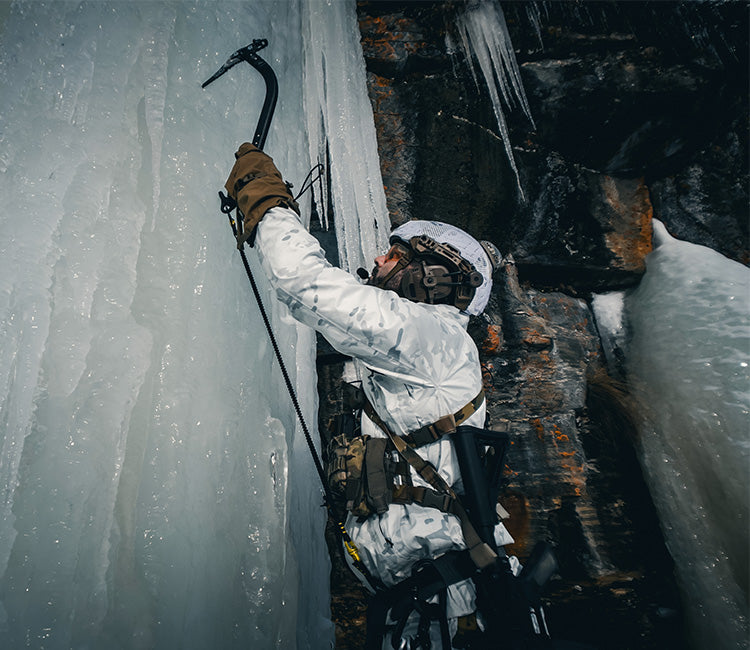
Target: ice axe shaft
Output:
[(249, 53), (228, 205)]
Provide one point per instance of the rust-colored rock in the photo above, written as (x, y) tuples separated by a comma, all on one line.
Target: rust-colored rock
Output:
[(390, 39), (627, 229), (396, 145)]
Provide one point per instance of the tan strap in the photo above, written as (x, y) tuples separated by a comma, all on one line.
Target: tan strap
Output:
[(441, 427), (422, 496), (445, 425), (481, 553), (467, 411)]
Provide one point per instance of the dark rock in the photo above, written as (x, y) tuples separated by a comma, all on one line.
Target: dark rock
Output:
[(714, 33), (442, 158), (463, 175), (647, 89), (421, 94), (584, 230), (640, 110), (394, 42), (624, 113), (535, 385), (396, 130), (573, 477), (707, 201)]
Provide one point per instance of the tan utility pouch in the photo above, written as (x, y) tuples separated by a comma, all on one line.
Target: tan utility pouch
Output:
[(361, 474)]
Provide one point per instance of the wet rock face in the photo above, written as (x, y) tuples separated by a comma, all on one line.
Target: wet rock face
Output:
[(438, 145), (695, 201), (535, 382), (584, 230), (647, 90), (649, 93), (572, 476), (625, 113), (656, 91), (640, 111), (443, 158)]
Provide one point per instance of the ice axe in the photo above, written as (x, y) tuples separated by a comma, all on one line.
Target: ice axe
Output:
[(249, 54), (228, 205)]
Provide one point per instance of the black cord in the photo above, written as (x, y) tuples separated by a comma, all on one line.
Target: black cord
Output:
[(309, 184), (287, 380), (350, 546), (309, 180), (227, 206)]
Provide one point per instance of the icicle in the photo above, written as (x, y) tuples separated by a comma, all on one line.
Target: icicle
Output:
[(535, 18), (341, 129), (484, 35)]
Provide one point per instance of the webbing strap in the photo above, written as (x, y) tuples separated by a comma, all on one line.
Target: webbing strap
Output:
[(422, 496), (481, 553), (467, 411), (432, 432), (445, 425), (378, 484)]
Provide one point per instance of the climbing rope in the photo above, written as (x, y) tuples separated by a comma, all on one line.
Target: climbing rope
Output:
[(228, 206)]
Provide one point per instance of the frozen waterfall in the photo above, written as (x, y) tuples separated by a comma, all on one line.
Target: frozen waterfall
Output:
[(156, 489), (688, 360)]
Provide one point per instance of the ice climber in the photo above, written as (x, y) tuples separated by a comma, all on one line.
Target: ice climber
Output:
[(406, 328)]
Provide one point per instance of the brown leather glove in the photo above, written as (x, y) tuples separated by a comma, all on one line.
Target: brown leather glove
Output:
[(257, 186)]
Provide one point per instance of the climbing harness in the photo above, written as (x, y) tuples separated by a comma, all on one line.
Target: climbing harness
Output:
[(229, 205), (510, 604), (444, 498), (365, 478)]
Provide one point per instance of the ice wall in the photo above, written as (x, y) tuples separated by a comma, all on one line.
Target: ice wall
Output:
[(155, 489), (688, 360), (336, 86)]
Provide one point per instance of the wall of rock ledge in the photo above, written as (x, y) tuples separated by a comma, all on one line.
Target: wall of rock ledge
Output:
[(640, 112)]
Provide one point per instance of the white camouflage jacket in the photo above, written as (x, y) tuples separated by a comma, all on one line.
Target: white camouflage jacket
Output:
[(418, 364)]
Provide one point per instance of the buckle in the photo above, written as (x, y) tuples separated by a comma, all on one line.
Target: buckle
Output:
[(443, 426)]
